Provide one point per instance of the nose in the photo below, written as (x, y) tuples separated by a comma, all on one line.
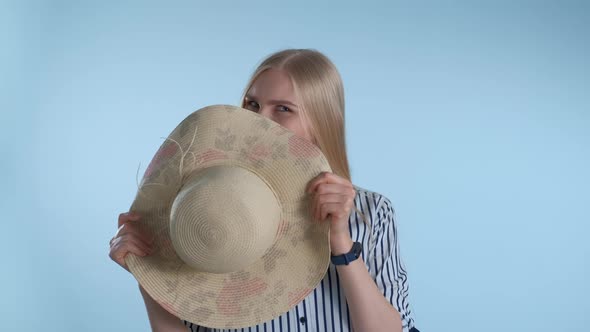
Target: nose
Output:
[(266, 111)]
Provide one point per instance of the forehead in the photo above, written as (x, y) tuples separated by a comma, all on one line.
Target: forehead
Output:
[(272, 83)]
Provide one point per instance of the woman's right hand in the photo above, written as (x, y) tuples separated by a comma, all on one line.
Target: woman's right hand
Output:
[(129, 239)]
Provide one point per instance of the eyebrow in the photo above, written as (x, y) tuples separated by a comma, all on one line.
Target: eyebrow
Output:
[(274, 101)]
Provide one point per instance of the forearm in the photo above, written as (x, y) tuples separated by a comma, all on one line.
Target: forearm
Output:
[(369, 310), (160, 319)]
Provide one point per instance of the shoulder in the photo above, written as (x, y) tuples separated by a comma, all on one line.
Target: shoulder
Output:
[(372, 200), (374, 205), (377, 211)]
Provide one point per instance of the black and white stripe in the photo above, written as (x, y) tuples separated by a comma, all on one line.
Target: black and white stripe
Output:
[(325, 309)]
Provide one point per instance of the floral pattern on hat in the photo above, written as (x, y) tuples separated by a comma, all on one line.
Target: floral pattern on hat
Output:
[(223, 135), (226, 300), (166, 151)]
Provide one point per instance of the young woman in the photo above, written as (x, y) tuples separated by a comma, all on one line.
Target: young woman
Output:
[(302, 90)]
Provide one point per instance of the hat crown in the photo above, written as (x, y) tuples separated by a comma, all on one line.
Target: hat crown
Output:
[(223, 219), (216, 210)]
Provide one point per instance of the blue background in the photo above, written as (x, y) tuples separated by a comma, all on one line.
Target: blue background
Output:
[(473, 117)]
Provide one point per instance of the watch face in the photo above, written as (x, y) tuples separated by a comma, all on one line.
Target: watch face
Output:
[(357, 248), (352, 255)]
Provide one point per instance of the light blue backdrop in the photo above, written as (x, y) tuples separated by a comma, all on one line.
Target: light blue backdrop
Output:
[(472, 117)]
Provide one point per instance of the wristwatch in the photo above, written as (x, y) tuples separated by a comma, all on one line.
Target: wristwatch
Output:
[(351, 256)]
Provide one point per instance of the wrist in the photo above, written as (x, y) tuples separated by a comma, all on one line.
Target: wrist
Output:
[(340, 245)]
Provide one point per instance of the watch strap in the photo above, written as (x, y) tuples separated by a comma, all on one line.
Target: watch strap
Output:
[(351, 256)]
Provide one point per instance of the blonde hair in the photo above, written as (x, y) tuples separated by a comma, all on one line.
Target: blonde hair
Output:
[(320, 93)]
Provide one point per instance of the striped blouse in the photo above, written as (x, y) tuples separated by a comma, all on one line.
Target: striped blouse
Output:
[(326, 309)]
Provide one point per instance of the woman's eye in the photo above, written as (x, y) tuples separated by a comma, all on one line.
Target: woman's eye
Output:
[(284, 108), (252, 104)]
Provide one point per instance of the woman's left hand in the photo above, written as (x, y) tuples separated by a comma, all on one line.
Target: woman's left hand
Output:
[(333, 196)]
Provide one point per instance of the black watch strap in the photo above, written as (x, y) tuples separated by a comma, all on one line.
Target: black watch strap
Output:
[(351, 256)]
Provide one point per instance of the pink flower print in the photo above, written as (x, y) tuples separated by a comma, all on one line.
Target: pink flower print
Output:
[(166, 151), (235, 291), (259, 152), (297, 148)]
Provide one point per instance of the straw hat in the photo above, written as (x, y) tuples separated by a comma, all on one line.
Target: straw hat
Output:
[(235, 242)]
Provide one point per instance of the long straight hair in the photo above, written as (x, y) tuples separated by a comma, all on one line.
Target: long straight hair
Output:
[(320, 93)]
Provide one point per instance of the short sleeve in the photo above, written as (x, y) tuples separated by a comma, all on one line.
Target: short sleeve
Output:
[(385, 264)]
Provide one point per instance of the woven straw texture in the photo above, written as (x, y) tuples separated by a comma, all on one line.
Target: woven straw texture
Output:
[(287, 272)]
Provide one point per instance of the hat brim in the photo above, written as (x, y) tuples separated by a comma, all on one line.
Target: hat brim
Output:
[(291, 268)]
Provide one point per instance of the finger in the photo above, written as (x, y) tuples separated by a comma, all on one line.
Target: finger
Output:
[(324, 211), (317, 207), (119, 258), (327, 177), (320, 178), (312, 207), (335, 201), (332, 198), (316, 210), (333, 178), (120, 254), (328, 188), (133, 240), (126, 217), (342, 189), (330, 209), (322, 199), (120, 249), (136, 231), (122, 245)]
